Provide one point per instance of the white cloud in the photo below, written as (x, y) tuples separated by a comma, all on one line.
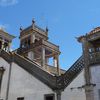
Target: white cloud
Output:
[(8, 2)]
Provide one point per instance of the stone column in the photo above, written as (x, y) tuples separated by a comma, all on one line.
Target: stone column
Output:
[(46, 60), (89, 92), (46, 63), (43, 58), (9, 46), (31, 55), (2, 44), (58, 68), (87, 74), (58, 95), (85, 47), (32, 38), (56, 63)]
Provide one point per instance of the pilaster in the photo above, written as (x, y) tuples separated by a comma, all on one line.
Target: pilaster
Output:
[(85, 46), (32, 38), (2, 47), (54, 61), (88, 87), (9, 46), (89, 91)]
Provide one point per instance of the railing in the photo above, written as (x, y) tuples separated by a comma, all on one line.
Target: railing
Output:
[(65, 79), (95, 57)]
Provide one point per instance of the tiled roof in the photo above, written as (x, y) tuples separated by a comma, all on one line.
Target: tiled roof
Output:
[(95, 30)]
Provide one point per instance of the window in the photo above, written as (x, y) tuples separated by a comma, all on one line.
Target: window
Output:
[(20, 98), (49, 97)]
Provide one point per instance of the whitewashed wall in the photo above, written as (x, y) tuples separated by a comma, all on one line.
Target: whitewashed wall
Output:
[(25, 85), (95, 79), (22, 84), (75, 94), (6, 65)]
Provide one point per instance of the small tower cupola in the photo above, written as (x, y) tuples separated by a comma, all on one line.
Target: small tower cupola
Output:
[(5, 40), (34, 44), (31, 35)]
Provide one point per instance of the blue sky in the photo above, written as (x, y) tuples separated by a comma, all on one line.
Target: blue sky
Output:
[(66, 19)]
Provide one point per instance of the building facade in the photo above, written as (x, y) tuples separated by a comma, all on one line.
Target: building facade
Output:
[(25, 73)]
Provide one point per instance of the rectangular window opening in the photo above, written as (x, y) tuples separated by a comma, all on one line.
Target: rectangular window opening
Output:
[(20, 98), (49, 97)]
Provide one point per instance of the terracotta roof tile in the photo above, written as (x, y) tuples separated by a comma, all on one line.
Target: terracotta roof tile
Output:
[(95, 30)]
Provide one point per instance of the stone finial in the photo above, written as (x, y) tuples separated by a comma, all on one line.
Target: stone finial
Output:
[(33, 21), (21, 28), (47, 29)]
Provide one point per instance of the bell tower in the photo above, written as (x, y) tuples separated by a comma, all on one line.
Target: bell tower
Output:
[(31, 37), (34, 44), (5, 40)]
